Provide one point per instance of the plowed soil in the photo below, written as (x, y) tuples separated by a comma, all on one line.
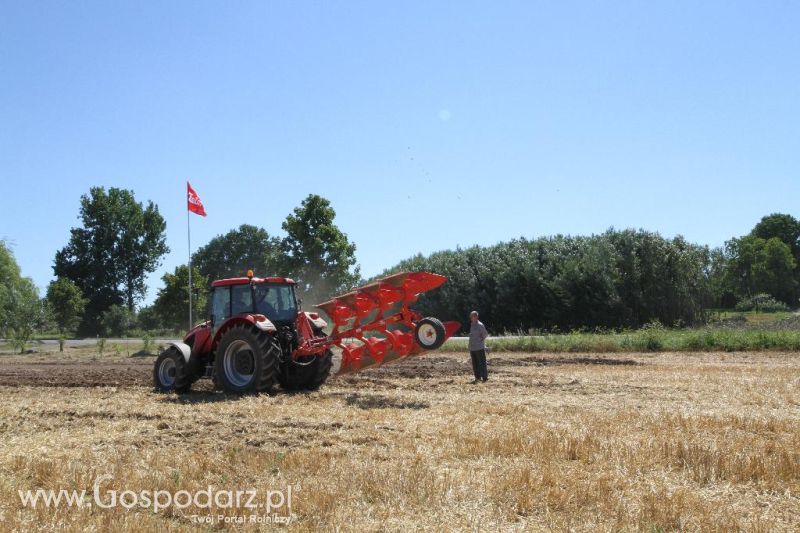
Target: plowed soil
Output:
[(77, 374), (137, 371)]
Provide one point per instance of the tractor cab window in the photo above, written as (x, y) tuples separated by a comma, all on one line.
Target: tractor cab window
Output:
[(276, 302), (242, 299), (220, 305)]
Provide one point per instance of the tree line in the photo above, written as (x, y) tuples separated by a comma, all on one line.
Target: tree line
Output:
[(618, 279)]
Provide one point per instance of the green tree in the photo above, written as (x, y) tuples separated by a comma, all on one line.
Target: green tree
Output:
[(774, 273), (785, 228), (21, 310), (148, 320), (117, 320), (723, 295), (757, 265), (120, 242), (9, 269), (233, 254), (66, 303), (27, 313), (587, 285), (9, 278), (316, 253), (172, 303)]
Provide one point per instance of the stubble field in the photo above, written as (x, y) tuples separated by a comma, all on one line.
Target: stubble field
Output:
[(672, 441)]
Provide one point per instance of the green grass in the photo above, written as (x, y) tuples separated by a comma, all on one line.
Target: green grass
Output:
[(647, 340), (132, 334), (752, 317)]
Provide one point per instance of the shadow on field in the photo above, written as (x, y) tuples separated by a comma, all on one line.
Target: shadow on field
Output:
[(382, 402), (193, 397), (362, 401), (216, 396), (425, 367)]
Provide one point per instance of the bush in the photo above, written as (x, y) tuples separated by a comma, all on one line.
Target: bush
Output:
[(117, 320), (147, 344), (653, 334), (18, 341), (761, 302), (148, 320)]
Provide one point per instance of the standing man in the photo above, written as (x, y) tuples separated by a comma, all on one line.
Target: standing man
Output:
[(477, 347)]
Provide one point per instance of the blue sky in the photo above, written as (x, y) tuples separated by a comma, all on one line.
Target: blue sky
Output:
[(427, 124)]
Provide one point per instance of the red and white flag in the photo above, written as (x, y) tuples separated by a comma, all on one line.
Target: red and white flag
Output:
[(194, 203)]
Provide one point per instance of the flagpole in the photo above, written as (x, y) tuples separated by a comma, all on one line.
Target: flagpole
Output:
[(193, 205), (189, 236)]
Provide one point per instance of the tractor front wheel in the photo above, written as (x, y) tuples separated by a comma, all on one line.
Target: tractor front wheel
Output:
[(246, 360), (170, 372)]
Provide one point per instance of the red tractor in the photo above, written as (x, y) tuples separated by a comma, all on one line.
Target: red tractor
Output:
[(257, 336)]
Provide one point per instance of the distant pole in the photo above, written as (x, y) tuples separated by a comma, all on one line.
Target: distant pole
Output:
[(189, 235)]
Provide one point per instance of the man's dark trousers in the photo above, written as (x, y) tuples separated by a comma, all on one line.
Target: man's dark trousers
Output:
[(479, 364)]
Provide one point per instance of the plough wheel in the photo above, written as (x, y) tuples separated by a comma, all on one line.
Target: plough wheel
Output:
[(430, 333)]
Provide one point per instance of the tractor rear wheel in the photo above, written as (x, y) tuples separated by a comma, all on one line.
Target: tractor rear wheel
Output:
[(246, 360), (170, 372), (430, 333), (308, 376)]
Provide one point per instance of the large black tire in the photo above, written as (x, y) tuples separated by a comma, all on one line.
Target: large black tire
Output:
[(196, 368), (311, 376), (246, 360), (170, 372), (430, 333)]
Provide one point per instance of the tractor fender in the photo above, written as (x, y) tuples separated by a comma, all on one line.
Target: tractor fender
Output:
[(260, 321), (265, 325), (315, 319), (182, 347)]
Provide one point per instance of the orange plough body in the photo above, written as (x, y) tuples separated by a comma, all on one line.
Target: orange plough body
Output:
[(373, 325)]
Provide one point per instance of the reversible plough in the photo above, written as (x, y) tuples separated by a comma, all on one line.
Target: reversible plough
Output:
[(382, 308)]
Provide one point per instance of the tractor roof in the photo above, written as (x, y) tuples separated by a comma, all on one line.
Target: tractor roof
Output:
[(245, 281)]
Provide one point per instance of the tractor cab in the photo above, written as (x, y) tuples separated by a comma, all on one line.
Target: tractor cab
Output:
[(272, 297)]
